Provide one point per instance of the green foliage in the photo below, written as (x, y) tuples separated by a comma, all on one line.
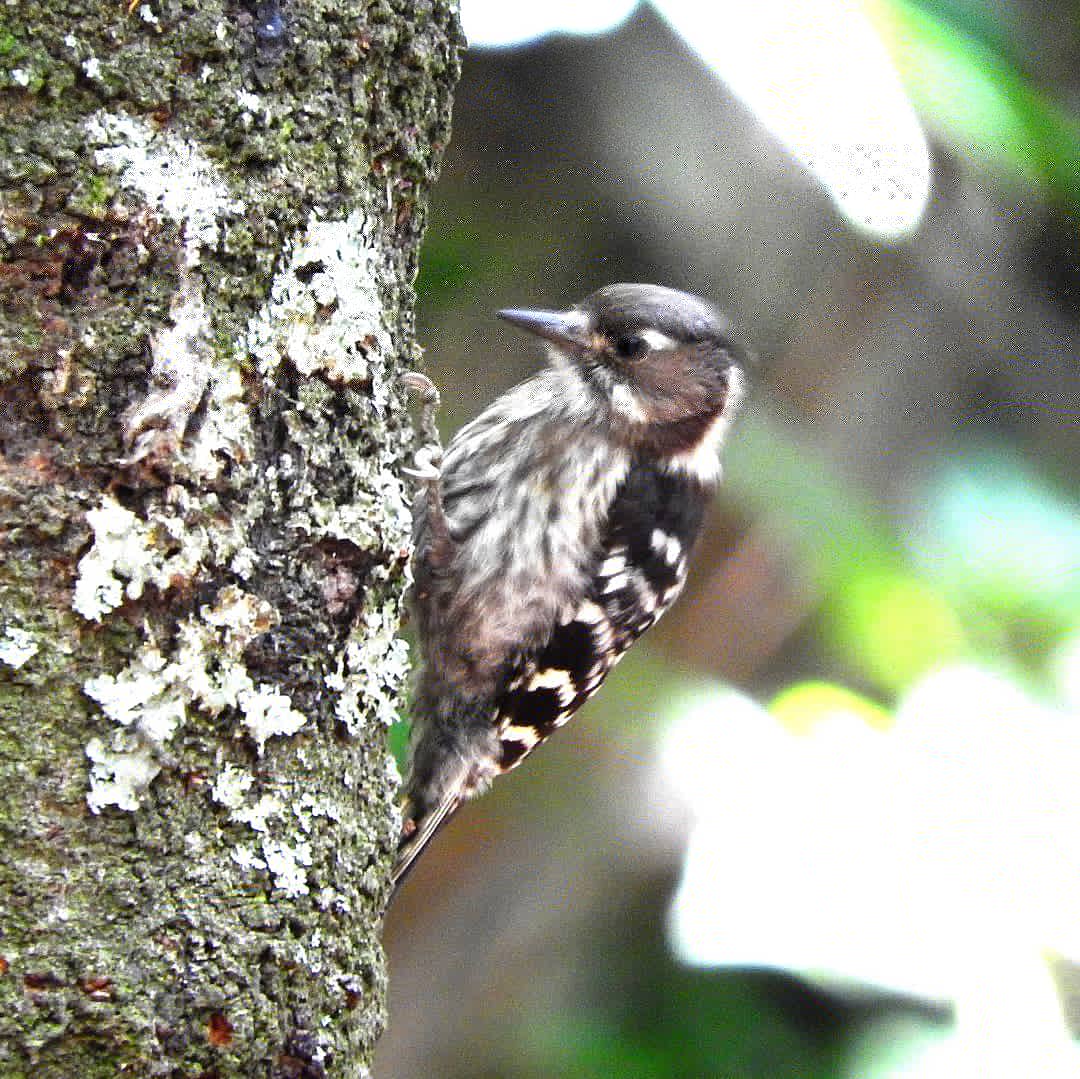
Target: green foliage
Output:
[(962, 74), (399, 743), (802, 705), (986, 570), (894, 626), (729, 1025), (460, 256), (999, 538)]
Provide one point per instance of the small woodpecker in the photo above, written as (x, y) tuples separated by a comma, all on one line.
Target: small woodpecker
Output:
[(556, 530)]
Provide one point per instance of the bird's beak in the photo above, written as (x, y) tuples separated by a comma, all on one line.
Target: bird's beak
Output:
[(567, 328)]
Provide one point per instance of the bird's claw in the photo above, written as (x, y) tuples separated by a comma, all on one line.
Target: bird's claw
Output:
[(423, 388), (419, 384), (427, 465), (428, 460), (428, 457)]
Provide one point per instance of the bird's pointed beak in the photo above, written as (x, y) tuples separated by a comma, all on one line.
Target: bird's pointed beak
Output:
[(566, 328)]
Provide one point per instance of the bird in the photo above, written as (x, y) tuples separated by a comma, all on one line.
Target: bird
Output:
[(556, 529)]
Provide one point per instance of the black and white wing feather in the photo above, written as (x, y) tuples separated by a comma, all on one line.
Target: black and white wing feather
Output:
[(639, 571)]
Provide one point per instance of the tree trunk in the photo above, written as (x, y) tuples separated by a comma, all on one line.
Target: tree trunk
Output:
[(211, 214)]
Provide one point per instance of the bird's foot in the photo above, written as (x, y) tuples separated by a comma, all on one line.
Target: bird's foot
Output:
[(429, 456), (422, 388)]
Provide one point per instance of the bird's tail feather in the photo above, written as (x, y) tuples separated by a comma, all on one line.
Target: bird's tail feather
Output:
[(417, 832)]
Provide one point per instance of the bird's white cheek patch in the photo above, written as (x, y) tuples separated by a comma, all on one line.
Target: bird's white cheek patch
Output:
[(625, 402), (703, 461), (657, 341)]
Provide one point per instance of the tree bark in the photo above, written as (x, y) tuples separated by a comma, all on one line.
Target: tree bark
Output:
[(211, 215)]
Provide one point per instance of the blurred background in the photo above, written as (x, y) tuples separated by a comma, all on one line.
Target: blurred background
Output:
[(824, 821)]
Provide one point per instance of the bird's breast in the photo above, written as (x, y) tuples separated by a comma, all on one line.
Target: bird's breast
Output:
[(528, 539)]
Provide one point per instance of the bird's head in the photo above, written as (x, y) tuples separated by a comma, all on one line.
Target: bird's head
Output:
[(659, 363)]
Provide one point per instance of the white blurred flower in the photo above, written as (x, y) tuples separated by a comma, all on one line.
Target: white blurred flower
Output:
[(816, 74), (937, 858), (489, 23)]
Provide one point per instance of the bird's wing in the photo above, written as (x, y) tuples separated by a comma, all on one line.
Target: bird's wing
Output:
[(638, 572)]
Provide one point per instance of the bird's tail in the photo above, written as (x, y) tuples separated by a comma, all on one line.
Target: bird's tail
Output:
[(417, 830), (451, 746)]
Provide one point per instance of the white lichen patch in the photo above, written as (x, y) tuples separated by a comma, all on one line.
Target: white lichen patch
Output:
[(243, 562), (226, 429), (119, 777), (171, 175), (286, 863), (323, 316), (215, 679), (179, 373), (273, 817), (268, 713), (209, 664), (186, 372), (244, 856), (311, 954), (144, 697), (240, 616), (254, 109), (231, 786), (309, 808), (17, 647), (148, 700), (129, 553), (148, 709), (330, 899), (371, 671), (258, 815), (324, 313), (376, 513)]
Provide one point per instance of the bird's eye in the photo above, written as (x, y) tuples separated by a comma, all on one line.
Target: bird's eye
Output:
[(630, 347)]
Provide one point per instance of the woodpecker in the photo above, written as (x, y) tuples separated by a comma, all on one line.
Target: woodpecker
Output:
[(556, 529)]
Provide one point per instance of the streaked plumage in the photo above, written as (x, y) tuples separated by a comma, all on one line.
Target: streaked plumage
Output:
[(557, 530)]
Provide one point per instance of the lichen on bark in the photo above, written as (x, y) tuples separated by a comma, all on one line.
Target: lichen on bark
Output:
[(210, 221)]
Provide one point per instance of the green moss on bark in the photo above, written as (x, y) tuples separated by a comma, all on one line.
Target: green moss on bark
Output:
[(228, 925)]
